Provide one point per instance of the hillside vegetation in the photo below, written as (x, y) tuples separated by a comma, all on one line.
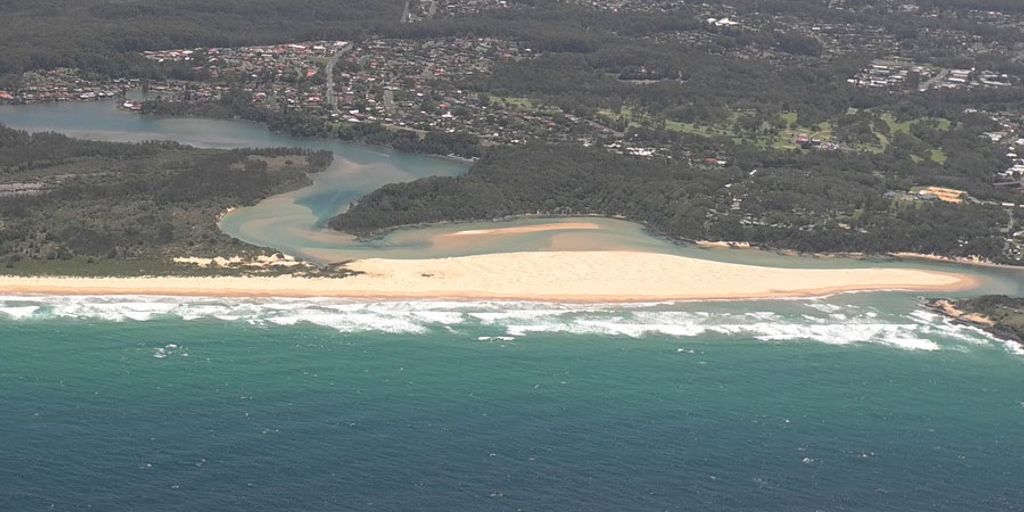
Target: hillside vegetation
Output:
[(814, 203), (74, 205), (102, 35)]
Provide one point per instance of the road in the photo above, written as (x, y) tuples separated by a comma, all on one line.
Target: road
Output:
[(934, 81), (331, 97), (406, 15)]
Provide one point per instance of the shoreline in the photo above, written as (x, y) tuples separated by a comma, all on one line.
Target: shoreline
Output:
[(948, 308), (955, 260), (704, 244), (464, 160), (859, 256), (952, 311), (555, 277), (467, 161)]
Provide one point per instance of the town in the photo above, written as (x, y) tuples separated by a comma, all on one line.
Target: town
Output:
[(440, 85)]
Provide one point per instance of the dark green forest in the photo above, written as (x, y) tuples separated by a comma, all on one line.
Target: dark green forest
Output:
[(812, 203), (103, 36), (74, 203)]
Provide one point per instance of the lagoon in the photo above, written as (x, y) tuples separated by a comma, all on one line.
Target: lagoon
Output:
[(294, 222)]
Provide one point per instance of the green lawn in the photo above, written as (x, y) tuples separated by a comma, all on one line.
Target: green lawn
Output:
[(783, 138)]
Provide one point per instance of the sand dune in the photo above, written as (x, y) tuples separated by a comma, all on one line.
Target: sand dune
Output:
[(599, 276)]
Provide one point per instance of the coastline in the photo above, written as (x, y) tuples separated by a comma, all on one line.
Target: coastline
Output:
[(952, 311), (948, 308), (962, 260), (899, 256), (465, 160), (564, 277)]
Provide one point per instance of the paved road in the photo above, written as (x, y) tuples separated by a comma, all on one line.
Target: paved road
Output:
[(406, 15), (934, 81), (331, 97)]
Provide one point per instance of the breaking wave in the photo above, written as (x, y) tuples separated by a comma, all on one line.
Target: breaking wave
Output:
[(812, 320)]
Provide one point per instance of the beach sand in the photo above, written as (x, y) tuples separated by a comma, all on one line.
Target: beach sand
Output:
[(518, 230), (595, 276)]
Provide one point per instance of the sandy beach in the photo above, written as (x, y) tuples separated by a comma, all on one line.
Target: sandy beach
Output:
[(597, 276), (518, 230)]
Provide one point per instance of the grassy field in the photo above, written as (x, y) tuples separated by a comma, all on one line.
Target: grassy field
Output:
[(937, 155), (779, 134), (767, 137), (525, 105)]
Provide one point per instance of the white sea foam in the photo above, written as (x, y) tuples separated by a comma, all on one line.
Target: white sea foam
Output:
[(814, 320), (1014, 348), (19, 312)]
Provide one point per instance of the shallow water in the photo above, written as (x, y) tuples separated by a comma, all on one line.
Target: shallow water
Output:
[(294, 222), (291, 222)]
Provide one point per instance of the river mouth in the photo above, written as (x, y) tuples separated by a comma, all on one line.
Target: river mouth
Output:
[(295, 222)]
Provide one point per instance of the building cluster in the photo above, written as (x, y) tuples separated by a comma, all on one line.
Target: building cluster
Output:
[(290, 75), (630, 5), (63, 84), (805, 141), (433, 85), (967, 78), (894, 75), (1013, 175), (1015, 171), (468, 7), (412, 83), (423, 86), (925, 43), (899, 75), (1010, 138), (420, 10), (416, 85), (627, 148), (277, 62), (947, 195), (846, 38), (22, 189)]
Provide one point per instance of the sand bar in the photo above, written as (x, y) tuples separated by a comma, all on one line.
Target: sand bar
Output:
[(597, 276), (520, 230)]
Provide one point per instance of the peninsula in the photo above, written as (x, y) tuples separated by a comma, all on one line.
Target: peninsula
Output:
[(564, 276), (998, 315)]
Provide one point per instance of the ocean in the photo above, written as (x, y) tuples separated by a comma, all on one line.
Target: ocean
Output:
[(863, 402), (851, 403)]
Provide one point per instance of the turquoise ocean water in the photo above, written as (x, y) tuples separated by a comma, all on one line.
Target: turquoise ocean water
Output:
[(864, 402), (150, 404)]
